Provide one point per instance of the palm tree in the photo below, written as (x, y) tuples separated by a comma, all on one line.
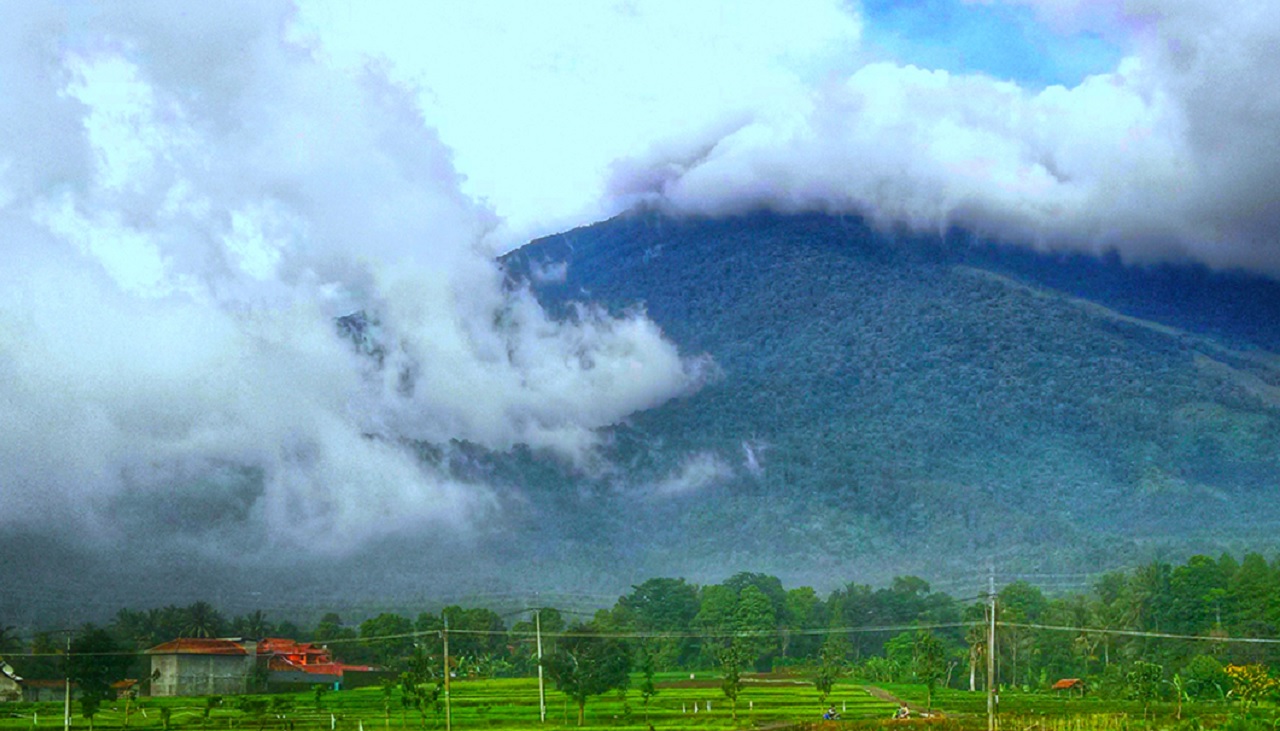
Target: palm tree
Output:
[(202, 620), (253, 625)]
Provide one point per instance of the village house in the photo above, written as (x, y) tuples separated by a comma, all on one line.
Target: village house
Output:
[(197, 666), (10, 683), (202, 666), (38, 691), (294, 665), (127, 688)]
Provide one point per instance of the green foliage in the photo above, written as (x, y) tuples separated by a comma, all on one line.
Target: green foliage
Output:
[(645, 664), (249, 705), (94, 664), (859, 353), (586, 663), (928, 662), (662, 605), (1205, 678), (389, 637), (1145, 682), (331, 628), (831, 666)]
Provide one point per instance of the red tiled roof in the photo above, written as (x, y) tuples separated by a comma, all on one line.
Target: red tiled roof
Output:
[(197, 646), (125, 684), (285, 646), (281, 663), (41, 683), (1067, 683)]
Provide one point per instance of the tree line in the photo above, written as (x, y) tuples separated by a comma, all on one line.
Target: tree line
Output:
[(905, 631)]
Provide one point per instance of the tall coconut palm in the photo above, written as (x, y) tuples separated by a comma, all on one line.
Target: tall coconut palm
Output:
[(202, 620)]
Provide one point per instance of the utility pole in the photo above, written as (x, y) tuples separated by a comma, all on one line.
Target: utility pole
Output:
[(66, 710), (542, 690), (448, 702), (991, 656)]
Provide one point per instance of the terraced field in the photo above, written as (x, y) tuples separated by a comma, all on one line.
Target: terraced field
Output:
[(681, 703)]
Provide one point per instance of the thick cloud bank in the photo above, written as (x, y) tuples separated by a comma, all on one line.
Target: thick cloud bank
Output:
[(1172, 154), (189, 200)]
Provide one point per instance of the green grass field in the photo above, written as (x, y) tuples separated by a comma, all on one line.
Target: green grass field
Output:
[(681, 703), (775, 702)]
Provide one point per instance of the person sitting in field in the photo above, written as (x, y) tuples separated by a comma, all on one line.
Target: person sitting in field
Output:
[(831, 714), (902, 712)]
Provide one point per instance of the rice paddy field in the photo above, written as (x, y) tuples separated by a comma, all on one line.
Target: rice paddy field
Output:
[(682, 702), (778, 703)]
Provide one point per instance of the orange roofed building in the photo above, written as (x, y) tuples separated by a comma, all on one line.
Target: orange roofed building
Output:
[(202, 666), (206, 666), (1070, 685), (290, 662)]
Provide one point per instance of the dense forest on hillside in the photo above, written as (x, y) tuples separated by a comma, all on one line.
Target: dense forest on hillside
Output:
[(1194, 620), (869, 402), (918, 402)]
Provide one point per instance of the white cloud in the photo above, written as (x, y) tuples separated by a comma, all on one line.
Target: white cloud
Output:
[(695, 473), (198, 205), (537, 99), (1169, 155)]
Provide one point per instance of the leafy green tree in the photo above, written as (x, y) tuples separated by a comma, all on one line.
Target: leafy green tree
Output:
[(804, 611), (900, 651), (586, 664), (732, 658), (331, 628), (420, 686), (855, 605), (389, 637), (756, 625), (768, 586), (1145, 681), (928, 662), (95, 662), (647, 688), (1196, 592), (1019, 602), (429, 626), (662, 605), (831, 666), (485, 632), (1206, 679)]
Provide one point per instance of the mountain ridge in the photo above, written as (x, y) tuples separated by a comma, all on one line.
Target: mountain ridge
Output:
[(1111, 424)]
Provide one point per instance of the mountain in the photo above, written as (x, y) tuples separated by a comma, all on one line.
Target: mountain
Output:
[(892, 402), (878, 403)]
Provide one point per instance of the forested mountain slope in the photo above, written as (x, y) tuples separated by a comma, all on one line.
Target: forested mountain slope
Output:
[(905, 402)]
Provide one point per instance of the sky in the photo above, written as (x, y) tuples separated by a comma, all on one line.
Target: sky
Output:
[(190, 195)]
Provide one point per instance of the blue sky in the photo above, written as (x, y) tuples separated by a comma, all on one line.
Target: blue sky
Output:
[(1004, 41)]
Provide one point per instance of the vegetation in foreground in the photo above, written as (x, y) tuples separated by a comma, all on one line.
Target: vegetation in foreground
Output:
[(774, 701), (1192, 643)]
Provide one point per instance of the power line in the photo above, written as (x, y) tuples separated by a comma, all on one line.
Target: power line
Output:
[(1140, 633)]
